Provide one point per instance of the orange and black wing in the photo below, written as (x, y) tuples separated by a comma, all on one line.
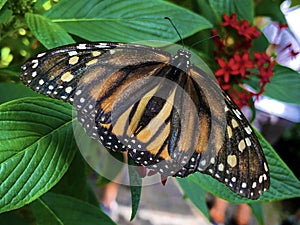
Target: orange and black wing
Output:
[(170, 116)]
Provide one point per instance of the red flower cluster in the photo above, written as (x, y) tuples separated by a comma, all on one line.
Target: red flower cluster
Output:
[(235, 62)]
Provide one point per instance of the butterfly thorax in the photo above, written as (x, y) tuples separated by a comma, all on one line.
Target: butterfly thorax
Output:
[(182, 59)]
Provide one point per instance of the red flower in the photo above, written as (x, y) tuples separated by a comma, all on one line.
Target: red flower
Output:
[(266, 73), (247, 31), (224, 86), (218, 41), (243, 63), (227, 69), (261, 58), (241, 98), (233, 57), (230, 21)]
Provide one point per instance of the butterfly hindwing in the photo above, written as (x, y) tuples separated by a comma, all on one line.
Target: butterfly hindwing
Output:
[(240, 163)]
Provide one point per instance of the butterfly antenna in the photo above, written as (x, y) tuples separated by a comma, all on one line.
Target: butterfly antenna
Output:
[(198, 42), (173, 25)]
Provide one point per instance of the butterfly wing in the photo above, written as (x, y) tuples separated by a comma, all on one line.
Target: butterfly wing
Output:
[(235, 156), (176, 121), (97, 68)]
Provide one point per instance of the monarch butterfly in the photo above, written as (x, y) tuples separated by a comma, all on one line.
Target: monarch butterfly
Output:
[(167, 113)]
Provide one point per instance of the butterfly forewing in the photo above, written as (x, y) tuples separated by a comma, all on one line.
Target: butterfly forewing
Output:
[(168, 114)]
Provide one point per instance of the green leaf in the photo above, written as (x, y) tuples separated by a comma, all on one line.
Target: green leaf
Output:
[(125, 21), (74, 182), (257, 211), (97, 156), (56, 209), (284, 85), (243, 8), (36, 148), (2, 3), (205, 9), (135, 187), (11, 91), (284, 184), (13, 218), (50, 34), (295, 3), (270, 8), (6, 14), (196, 195)]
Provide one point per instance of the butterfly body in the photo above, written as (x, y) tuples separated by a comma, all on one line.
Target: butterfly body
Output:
[(167, 113)]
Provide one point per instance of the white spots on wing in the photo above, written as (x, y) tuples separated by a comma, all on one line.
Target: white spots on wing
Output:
[(237, 113), (81, 100), (34, 73), (260, 179), (91, 62), (41, 82), (248, 142), (81, 46), (248, 130), (244, 185), (233, 179), (266, 167), (78, 92), (221, 167), (234, 123), (265, 177), (96, 53), (67, 77), (72, 53), (101, 45), (229, 131), (203, 162), (68, 90), (232, 160), (41, 55), (241, 146), (35, 63), (73, 60)]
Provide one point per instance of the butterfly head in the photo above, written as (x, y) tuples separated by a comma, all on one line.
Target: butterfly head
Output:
[(183, 53)]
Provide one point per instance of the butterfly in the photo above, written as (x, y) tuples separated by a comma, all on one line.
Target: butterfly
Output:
[(167, 113)]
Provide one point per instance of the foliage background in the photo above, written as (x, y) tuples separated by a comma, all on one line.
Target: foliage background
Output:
[(38, 154)]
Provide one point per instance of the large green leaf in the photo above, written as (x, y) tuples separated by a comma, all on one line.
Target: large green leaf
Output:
[(48, 33), (126, 21), (258, 212), (197, 196), (56, 209), (283, 182), (295, 3), (270, 8), (14, 218), (284, 85), (243, 8), (36, 148), (10, 91), (135, 187), (2, 3), (74, 182)]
